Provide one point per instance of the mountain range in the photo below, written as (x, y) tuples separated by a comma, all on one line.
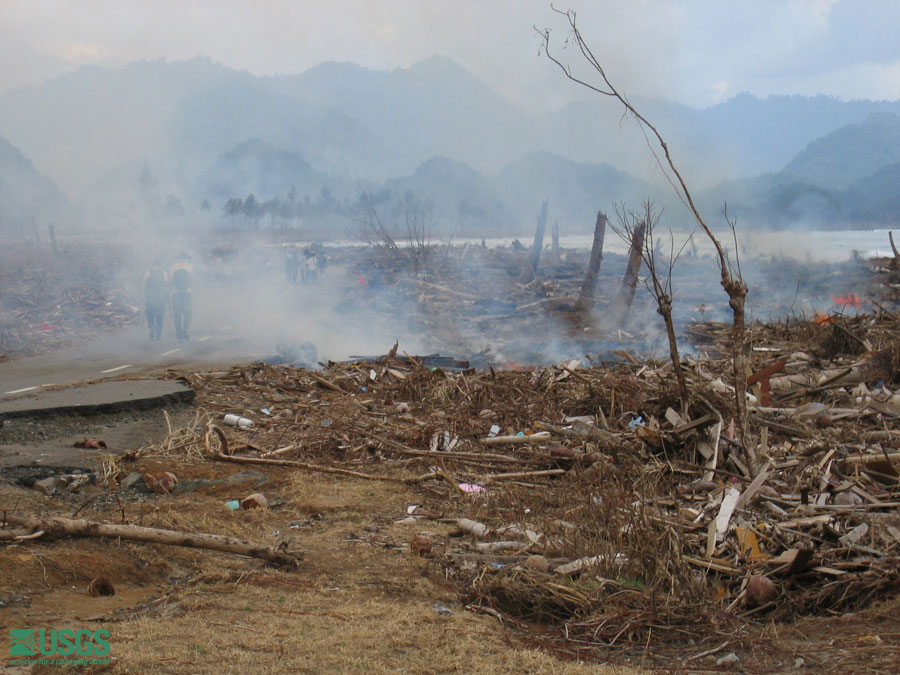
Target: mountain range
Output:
[(434, 133)]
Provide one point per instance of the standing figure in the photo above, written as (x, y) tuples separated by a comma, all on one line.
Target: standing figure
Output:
[(182, 300), (291, 264), (155, 299), (310, 271)]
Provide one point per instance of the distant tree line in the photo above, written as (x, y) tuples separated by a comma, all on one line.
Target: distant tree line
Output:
[(290, 211)]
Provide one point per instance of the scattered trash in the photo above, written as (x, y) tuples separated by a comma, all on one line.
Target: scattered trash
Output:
[(132, 480), (729, 661), (480, 530), (233, 505), (100, 586), (161, 483), (760, 591), (636, 422), (48, 485), (265, 411), (537, 563), (443, 441), (255, 501), (494, 430), (237, 421), (471, 487), (90, 443), (420, 545), (443, 611)]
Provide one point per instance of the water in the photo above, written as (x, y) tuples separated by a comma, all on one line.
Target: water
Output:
[(801, 245)]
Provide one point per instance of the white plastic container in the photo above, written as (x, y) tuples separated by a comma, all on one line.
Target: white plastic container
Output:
[(238, 421)]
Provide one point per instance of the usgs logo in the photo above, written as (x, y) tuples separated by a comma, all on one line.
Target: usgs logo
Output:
[(67, 642)]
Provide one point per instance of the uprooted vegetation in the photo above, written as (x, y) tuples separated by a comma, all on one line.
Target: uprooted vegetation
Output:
[(574, 504)]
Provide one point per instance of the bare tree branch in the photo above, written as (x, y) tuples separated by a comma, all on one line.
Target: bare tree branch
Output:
[(730, 278)]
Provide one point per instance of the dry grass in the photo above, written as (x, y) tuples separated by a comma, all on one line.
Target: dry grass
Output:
[(359, 602)]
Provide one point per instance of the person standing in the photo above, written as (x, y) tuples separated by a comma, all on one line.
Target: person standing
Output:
[(182, 299), (155, 299), (291, 264)]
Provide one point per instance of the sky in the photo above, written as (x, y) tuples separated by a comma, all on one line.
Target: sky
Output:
[(698, 52)]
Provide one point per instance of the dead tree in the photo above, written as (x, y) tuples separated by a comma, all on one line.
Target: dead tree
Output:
[(554, 238), (632, 270), (658, 283), (730, 278), (534, 258), (585, 301)]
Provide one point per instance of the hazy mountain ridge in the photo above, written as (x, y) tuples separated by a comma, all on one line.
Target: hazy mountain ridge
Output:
[(850, 153), (850, 177), (433, 108), (25, 194), (262, 170), (356, 130)]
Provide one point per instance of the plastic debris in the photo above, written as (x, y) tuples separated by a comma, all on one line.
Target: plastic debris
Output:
[(237, 421), (255, 501), (636, 422), (471, 487)]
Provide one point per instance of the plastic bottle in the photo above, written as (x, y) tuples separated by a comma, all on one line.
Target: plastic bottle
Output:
[(238, 421)]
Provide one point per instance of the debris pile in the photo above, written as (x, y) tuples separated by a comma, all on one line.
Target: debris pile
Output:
[(585, 497), (51, 300)]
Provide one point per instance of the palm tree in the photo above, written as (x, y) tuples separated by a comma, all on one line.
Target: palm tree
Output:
[(232, 208)]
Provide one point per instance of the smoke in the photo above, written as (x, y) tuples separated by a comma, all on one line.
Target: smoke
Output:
[(150, 154)]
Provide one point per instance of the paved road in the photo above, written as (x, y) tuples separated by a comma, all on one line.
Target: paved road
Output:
[(125, 353)]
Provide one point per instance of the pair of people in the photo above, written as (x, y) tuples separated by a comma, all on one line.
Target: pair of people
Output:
[(159, 292)]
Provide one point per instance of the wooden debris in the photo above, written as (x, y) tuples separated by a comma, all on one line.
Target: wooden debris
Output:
[(58, 526)]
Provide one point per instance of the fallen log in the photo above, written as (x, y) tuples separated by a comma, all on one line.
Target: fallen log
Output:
[(78, 527)]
